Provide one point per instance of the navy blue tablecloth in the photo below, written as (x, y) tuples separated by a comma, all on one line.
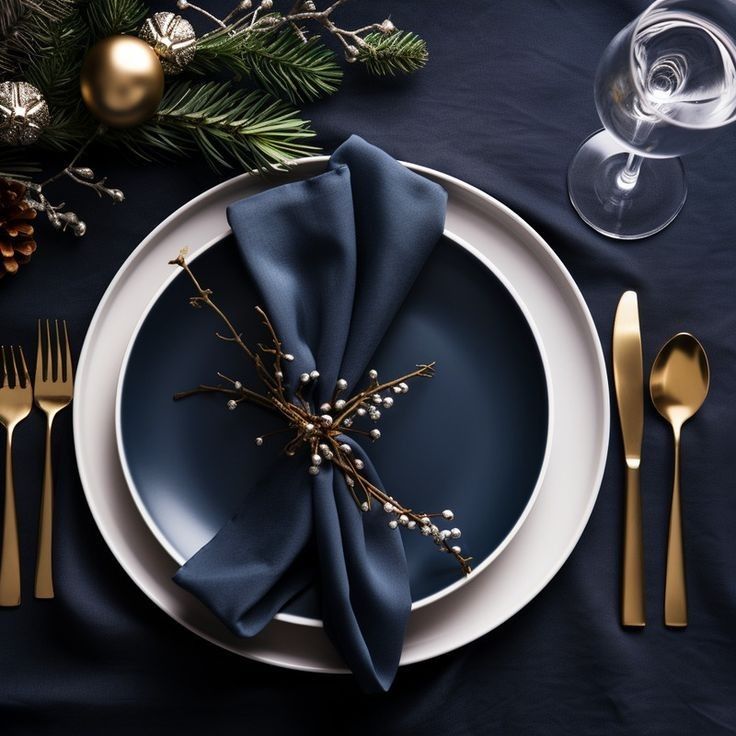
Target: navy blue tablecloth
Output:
[(503, 104)]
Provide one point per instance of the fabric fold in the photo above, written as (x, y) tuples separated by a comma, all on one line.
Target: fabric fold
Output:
[(334, 258)]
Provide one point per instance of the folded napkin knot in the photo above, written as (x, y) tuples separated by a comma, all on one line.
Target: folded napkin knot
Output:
[(334, 258)]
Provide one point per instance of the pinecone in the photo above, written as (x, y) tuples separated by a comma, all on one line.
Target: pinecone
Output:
[(16, 231)]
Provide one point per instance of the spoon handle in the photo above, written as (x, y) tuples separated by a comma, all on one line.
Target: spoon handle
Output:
[(675, 594)]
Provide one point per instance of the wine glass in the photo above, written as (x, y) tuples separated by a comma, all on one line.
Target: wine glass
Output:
[(665, 85)]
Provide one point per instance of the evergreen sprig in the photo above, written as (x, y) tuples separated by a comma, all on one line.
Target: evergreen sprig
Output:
[(297, 70), (280, 62), (69, 128), (401, 52), (55, 66), (23, 24), (44, 42), (229, 126), (109, 17)]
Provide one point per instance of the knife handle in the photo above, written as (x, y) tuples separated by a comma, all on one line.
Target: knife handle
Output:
[(632, 589)]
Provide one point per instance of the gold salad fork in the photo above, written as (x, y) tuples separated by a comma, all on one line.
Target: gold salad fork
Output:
[(54, 387), (16, 400)]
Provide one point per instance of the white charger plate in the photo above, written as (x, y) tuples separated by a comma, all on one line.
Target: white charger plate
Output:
[(541, 545)]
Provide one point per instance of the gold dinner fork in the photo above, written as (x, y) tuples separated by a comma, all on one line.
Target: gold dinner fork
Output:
[(53, 386), (16, 400)]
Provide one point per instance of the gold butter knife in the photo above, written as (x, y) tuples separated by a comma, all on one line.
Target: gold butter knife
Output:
[(628, 377)]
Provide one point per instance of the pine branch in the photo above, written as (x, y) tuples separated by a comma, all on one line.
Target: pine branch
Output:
[(110, 17), (229, 126), (401, 52), (22, 24), (55, 67), (10, 13), (296, 70), (220, 49), (13, 11), (70, 127), (281, 62)]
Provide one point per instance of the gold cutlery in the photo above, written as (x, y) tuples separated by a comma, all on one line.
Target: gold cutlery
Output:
[(678, 385), (53, 386), (16, 400), (628, 376)]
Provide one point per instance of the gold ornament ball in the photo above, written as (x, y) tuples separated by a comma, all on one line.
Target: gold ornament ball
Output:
[(122, 81)]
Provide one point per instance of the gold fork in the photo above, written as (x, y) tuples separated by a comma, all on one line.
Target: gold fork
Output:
[(16, 401), (53, 387)]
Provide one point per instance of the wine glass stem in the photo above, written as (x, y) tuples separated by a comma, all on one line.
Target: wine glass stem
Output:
[(629, 175)]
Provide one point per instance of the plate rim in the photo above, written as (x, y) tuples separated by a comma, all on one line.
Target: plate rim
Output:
[(426, 600), (270, 653)]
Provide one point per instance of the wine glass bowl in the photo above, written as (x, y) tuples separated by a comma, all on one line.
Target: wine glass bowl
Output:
[(665, 86)]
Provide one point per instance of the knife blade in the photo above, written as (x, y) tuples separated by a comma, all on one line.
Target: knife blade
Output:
[(628, 378)]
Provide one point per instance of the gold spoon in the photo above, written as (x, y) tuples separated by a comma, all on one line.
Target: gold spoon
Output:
[(678, 385)]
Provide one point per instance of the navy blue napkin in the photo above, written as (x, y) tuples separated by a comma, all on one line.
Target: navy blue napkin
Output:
[(333, 257)]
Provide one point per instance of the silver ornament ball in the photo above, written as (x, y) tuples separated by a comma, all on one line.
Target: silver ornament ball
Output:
[(172, 38), (24, 113)]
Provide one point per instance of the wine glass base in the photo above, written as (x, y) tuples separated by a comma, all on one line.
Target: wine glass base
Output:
[(614, 210)]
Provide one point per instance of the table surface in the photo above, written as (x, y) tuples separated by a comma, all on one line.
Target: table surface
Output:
[(503, 104)]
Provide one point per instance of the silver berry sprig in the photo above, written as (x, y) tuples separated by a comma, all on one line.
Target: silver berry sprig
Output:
[(57, 215), (321, 430), (257, 17), (59, 218)]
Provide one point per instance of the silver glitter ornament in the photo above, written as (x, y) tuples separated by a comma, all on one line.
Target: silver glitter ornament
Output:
[(23, 113), (172, 38)]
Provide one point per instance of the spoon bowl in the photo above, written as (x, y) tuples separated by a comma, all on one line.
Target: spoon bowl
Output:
[(680, 379), (678, 385)]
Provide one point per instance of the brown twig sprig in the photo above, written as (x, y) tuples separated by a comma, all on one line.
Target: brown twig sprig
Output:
[(319, 429)]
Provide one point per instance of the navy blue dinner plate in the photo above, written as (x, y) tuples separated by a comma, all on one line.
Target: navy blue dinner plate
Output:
[(472, 439)]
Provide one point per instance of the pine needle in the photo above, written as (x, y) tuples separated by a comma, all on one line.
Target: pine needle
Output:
[(231, 127), (110, 17), (55, 66), (70, 127), (22, 23), (401, 52), (281, 62), (298, 71)]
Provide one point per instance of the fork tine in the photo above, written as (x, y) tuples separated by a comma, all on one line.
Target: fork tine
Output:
[(40, 376), (16, 381), (58, 363), (68, 374), (48, 373), (26, 377), (5, 371)]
